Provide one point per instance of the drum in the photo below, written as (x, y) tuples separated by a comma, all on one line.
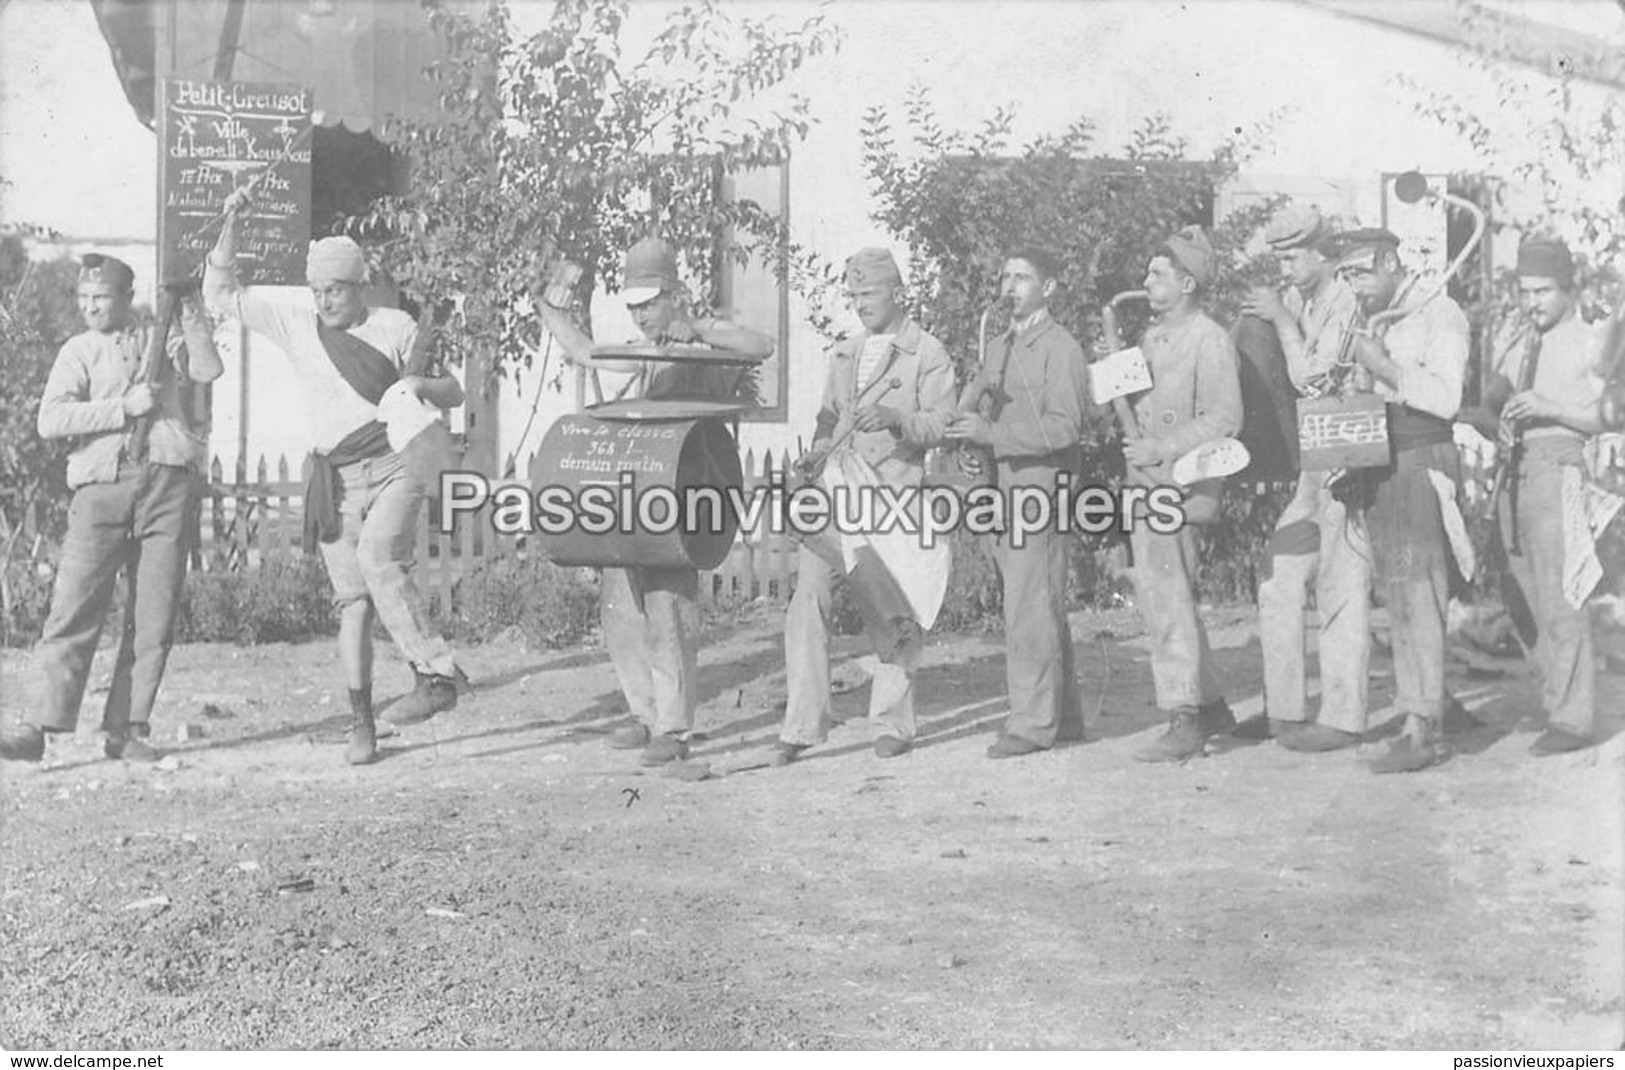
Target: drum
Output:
[(642, 490)]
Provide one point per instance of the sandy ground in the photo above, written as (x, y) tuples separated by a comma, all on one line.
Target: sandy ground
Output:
[(502, 879)]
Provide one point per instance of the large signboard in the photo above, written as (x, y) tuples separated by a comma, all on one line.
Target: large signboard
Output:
[(216, 137)]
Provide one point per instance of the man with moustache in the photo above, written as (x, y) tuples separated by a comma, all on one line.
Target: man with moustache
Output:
[(893, 427), (1419, 366)]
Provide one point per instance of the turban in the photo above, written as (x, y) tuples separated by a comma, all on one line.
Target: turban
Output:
[(1191, 251), (649, 271), (96, 267), (1295, 228), (1359, 248), (335, 260), (1546, 258), (872, 267)]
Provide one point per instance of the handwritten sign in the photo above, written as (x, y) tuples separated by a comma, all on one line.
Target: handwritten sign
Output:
[(214, 138), (1349, 432)]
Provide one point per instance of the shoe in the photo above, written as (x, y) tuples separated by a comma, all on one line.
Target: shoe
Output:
[(1072, 732), (22, 743), (362, 746), (1181, 741), (787, 753), (433, 694), (629, 737), (1316, 739), (1256, 728), (1558, 741), (1456, 719), (1013, 747), (129, 746), (891, 747), (663, 750), (1215, 719), (1406, 755)]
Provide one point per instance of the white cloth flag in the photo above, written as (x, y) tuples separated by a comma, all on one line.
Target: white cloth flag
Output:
[(921, 573), (1587, 510), (404, 415)]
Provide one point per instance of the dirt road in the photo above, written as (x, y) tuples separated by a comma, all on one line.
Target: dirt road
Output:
[(502, 879)]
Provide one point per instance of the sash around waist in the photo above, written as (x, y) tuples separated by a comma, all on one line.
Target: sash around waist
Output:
[(1410, 429)]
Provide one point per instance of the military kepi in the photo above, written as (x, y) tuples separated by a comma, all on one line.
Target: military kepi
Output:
[(100, 268), (872, 267)]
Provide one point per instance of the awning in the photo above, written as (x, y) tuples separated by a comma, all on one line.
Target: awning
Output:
[(365, 59)]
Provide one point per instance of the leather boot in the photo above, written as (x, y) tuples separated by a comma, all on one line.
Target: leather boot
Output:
[(22, 743), (362, 746), (129, 743), (1182, 740), (433, 694)]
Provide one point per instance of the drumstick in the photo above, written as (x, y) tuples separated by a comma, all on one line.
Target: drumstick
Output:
[(891, 384)]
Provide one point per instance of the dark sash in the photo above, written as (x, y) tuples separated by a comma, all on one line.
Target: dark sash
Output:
[(369, 374)]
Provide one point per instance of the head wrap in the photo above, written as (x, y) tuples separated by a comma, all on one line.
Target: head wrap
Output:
[(650, 270), (1546, 258), (98, 267), (1190, 250), (335, 260), (872, 267), (1359, 248), (1295, 228)]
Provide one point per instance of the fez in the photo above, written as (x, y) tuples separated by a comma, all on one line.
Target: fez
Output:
[(99, 268), (650, 270), (1546, 258), (1190, 250), (872, 267), (1296, 228), (335, 260)]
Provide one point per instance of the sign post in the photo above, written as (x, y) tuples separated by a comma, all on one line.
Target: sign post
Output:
[(215, 138)]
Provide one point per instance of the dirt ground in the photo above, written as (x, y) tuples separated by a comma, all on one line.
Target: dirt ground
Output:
[(503, 880)]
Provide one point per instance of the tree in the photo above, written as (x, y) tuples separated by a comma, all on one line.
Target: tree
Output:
[(37, 314), (556, 145), (960, 201)]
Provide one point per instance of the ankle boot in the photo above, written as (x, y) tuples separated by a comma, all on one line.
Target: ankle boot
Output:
[(362, 746), (433, 694), (1182, 740)]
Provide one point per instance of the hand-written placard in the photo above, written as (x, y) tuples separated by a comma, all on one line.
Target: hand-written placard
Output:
[(214, 138)]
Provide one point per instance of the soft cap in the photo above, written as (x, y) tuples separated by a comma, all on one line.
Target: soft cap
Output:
[(649, 271), (1190, 250)]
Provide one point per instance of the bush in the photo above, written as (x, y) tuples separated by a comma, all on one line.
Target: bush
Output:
[(29, 599), (549, 606), (287, 599)]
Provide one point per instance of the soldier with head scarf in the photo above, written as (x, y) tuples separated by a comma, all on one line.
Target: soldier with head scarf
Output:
[(128, 511), (363, 502)]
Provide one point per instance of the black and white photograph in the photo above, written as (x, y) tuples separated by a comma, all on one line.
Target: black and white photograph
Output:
[(812, 525)]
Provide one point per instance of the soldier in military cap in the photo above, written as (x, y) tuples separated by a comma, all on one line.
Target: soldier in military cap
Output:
[(1419, 366), (1195, 397), (650, 616), (1317, 536), (128, 511), (894, 426)]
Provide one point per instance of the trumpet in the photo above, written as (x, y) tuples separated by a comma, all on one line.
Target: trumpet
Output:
[(974, 461)]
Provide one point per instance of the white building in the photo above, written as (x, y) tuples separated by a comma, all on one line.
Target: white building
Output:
[(1329, 77)]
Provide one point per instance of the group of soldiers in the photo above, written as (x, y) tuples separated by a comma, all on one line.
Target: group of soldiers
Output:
[(889, 397)]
